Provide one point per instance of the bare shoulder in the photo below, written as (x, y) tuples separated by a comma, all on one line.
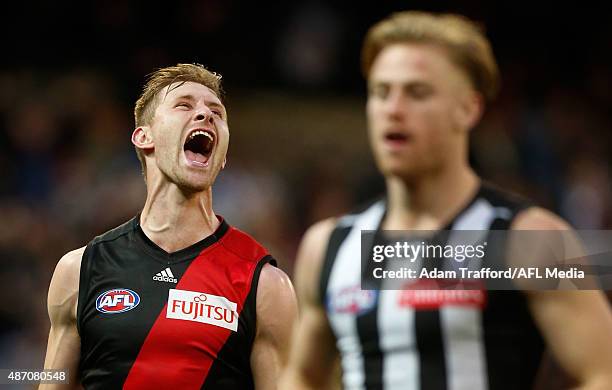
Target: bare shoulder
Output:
[(319, 232), (64, 287), (273, 280), (68, 268), (310, 257), (276, 303), (537, 218)]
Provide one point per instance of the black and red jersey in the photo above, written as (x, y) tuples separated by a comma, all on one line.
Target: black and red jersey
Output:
[(149, 319)]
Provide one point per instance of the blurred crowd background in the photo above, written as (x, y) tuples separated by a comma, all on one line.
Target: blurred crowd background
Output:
[(71, 72)]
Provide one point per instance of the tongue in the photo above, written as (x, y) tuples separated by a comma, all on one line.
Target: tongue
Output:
[(196, 157)]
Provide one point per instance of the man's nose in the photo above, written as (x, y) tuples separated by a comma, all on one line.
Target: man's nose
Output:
[(396, 103), (204, 116)]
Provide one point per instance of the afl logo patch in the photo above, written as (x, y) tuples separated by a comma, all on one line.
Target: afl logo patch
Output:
[(351, 300), (116, 301)]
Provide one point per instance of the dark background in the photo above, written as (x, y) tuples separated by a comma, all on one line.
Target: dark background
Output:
[(70, 74)]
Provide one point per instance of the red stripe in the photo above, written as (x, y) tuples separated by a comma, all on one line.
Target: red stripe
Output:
[(177, 354)]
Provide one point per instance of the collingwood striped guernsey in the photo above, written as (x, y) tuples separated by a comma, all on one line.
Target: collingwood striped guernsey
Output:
[(388, 341)]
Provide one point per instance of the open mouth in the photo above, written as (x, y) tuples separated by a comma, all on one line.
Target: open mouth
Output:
[(396, 137), (199, 146)]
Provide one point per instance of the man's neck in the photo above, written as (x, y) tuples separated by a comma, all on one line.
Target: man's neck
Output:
[(174, 220), (431, 201)]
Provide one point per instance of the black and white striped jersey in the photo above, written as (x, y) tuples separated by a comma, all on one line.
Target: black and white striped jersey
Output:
[(386, 341)]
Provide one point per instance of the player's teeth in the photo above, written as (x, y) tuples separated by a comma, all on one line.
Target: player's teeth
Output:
[(199, 132)]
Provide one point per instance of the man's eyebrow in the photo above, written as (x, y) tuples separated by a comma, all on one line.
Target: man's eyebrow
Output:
[(215, 104), (402, 83), (186, 97), (191, 98)]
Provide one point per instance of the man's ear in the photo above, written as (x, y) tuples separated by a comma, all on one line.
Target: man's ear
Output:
[(470, 110), (142, 139)]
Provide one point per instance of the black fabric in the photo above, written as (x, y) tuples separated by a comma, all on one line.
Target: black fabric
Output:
[(232, 368), (511, 337), (367, 330), (336, 238), (124, 258), (110, 345), (512, 342), (428, 331)]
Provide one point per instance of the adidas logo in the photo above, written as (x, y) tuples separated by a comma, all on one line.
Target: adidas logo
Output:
[(165, 276)]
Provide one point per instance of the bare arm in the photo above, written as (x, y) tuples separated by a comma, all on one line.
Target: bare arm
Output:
[(577, 325), (63, 348), (313, 359), (276, 314)]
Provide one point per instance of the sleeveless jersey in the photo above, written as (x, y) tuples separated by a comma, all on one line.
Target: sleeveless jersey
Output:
[(386, 341), (149, 319)]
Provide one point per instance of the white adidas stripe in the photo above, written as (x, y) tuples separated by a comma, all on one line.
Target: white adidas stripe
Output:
[(167, 273)]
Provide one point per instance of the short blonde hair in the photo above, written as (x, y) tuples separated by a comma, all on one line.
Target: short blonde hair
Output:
[(147, 102), (463, 40)]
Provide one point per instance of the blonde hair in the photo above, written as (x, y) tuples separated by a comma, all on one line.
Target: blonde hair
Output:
[(144, 109), (463, 40)]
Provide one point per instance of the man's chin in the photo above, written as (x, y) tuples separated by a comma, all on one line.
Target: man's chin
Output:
[(194, 185), (404, 172)]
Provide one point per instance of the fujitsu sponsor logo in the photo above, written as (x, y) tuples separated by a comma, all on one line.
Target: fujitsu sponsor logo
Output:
[(201, 307)]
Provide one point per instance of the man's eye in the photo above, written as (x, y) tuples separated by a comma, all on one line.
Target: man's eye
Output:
[(184, 105), (218, 113), (420, 91), (380, 91)]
